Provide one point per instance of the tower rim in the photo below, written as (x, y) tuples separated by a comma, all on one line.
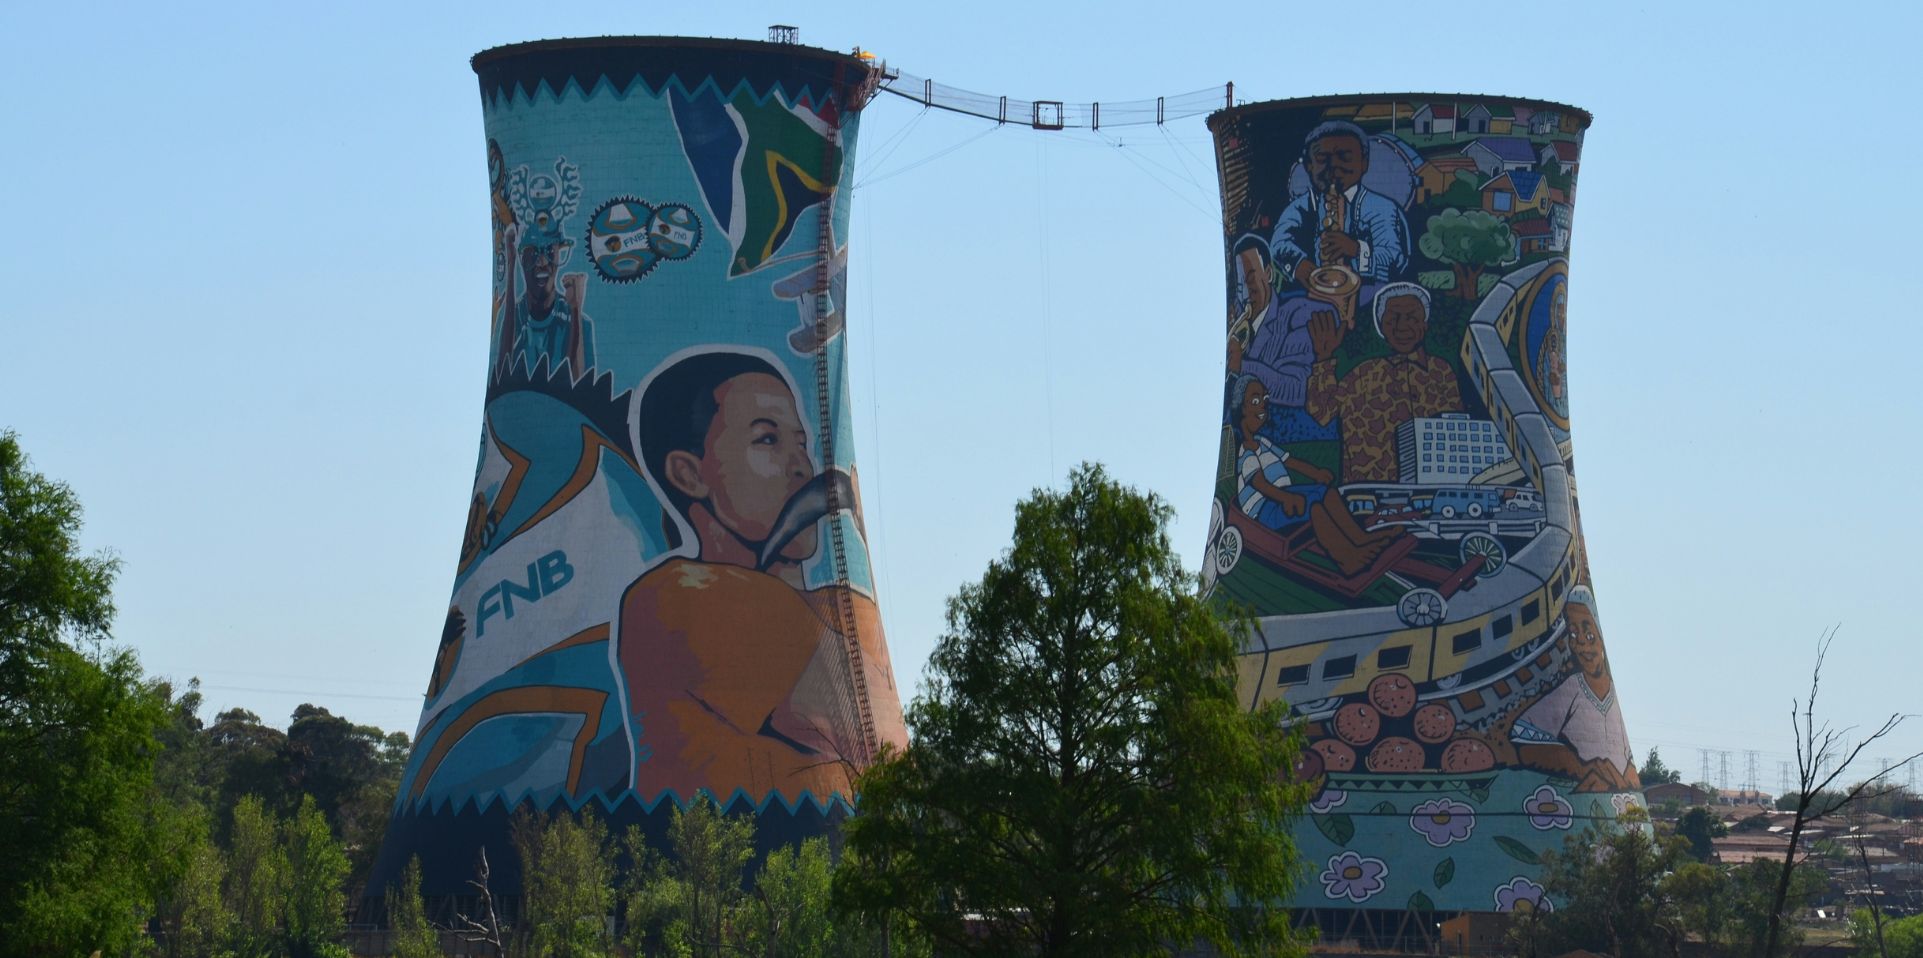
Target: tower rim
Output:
[(1346, 99)]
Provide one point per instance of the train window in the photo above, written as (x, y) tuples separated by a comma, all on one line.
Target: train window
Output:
[(1339, 668), (1292, 675), (1501, 627), (1465, 641), (1395, 658), (1531, 610)]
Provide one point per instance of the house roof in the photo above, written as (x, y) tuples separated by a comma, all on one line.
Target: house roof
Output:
[(1530, 228), (1451, 164), (1565, 151), (1509, 149), (1441, 111), (1475, 109)]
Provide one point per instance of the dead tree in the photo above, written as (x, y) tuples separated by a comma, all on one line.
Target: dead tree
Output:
[(487, 929), (1823, 756)]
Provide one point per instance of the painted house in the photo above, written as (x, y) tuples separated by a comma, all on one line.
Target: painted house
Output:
[(1435, 118), (1562, 154), (1379, 112), (1502, 120), (1514, 192), (1560, 215), (1476, 119), (1500, 154), (1533, 236), (1438, 173), (1544, 122)]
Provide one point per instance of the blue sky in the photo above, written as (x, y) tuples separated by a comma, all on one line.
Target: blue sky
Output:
[(247, 283)]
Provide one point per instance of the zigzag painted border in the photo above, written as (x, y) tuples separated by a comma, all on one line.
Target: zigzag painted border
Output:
[(523, 73)]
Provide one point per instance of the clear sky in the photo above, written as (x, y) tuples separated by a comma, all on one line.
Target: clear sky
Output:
[(246, 290)]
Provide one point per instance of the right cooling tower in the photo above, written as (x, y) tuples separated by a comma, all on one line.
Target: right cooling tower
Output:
[(1394, 499)]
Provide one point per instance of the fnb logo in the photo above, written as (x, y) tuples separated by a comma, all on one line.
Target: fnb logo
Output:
[(545, 576)]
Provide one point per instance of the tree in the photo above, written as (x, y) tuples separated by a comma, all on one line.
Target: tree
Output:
[(316, 868), (1609, 894), (1902, 938), (413, 935), (77, 726), (1083, 775), (193, 920), (693, 901), (567, 878), (256, 864), (1469, 242), (1755, 907), (1823, 757), (790, 902), (1654, 772), (1700, 828), (1701, 894)]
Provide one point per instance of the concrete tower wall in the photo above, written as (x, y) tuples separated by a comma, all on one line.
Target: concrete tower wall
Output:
[(662, 588), (1394, 497)]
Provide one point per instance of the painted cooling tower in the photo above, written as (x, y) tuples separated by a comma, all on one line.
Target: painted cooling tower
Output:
[(663, 588), (1394, 498)]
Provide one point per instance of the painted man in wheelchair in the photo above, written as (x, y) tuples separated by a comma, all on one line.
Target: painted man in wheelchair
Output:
[(737, 673), (1266, 491)]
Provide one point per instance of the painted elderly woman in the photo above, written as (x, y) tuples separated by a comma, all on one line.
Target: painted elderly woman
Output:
[(1266, 491)]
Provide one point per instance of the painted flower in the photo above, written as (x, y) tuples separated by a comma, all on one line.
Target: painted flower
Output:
[(1521, 894), (1624, 801), (1354, 877), (1547, 810), (1443, 822), (1327, 800)]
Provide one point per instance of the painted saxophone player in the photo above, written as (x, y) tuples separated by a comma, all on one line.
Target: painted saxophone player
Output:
[(737, 674)]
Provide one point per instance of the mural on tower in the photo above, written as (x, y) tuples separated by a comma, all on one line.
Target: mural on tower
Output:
[(1394, 497), (663, 588)]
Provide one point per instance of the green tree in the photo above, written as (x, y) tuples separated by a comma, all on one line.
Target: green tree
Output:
[(1700, 827), (316, 869), (1469, 242), (352, 771), (252, 889), (692, 902), (1754, 909), (1082, 775), (77, 727), (1701, 894), (1609, 893), (1902, 938), (790, 903), (194, 921), (413, 935), (567, 878), (1654, 772)]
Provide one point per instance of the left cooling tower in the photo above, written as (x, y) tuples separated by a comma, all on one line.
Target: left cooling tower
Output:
[(663, 589)]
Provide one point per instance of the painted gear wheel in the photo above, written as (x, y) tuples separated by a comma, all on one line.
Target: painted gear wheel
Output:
[(618, 240)]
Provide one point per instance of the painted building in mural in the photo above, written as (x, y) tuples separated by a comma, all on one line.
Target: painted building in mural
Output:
[(1394, 498), (663, 588)]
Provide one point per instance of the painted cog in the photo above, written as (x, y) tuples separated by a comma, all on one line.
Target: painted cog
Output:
[(675, 232), (618, 240)]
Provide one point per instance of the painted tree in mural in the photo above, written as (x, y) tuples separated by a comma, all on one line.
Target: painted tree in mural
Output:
[(1469, 242), (1082, 774)]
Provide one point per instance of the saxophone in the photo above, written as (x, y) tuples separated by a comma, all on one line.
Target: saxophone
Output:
[(1335, 283)]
